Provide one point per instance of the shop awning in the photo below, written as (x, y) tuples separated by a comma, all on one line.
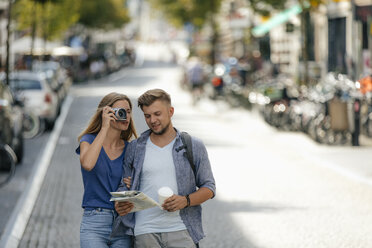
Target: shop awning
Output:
[(23, 46), (276, 20), (362, 2)]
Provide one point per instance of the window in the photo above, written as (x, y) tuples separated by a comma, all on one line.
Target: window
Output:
[(337, 45), (25, 84)]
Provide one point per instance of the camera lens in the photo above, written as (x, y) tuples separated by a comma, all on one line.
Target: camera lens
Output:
[(121, 114)]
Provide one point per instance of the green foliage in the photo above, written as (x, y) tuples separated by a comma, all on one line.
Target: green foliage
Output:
[(51, 18), (103, 14), (23, 12), (46, 1), (61, 16), (179, 12)]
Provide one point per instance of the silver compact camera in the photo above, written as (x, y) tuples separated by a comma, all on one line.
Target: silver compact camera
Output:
[(120, 113)]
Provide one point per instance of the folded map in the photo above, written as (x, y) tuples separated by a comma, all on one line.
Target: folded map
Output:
[(139, 199)]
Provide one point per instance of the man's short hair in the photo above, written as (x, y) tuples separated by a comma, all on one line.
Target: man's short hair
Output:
[(150, 96)]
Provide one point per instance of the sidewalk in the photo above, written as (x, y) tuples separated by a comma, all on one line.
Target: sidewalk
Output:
[(56, 216)]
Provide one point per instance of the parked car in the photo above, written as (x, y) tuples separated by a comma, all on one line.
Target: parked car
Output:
[(56, 76), (37, 94), (11, 119)]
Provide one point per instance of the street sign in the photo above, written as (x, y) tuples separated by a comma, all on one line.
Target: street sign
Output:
[(278, 19)]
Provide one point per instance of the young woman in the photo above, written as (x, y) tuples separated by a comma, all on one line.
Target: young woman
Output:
[(102, 149)]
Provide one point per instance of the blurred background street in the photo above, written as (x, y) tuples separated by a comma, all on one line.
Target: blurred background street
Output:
[(279, 92)]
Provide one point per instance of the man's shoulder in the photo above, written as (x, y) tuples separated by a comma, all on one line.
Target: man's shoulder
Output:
[(196, 142), (196, 139)]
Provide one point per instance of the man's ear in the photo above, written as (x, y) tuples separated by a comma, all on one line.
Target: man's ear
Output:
[(171, 111)]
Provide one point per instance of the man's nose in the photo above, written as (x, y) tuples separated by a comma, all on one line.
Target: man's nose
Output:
[(152, 119)]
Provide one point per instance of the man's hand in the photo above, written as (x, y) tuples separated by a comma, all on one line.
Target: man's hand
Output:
[(123, 208), (174, 203)]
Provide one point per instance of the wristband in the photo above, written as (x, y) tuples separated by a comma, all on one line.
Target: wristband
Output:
[(188, 200)]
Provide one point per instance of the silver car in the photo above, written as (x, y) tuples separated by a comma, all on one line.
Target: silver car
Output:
[(37, 95)]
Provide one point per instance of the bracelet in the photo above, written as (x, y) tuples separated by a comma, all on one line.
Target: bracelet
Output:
[(188, 200)]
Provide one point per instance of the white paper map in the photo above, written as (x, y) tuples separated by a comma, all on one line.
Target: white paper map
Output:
[(139, 199)]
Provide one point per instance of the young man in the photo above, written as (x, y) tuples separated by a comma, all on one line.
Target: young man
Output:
[(154, 160)]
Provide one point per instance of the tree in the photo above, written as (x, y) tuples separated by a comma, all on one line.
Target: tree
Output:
[(46, 18), (56, 16), (104, 14), (180, 12)]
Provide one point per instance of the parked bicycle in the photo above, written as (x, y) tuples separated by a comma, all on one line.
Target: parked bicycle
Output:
[(324, 111), (8, 160)]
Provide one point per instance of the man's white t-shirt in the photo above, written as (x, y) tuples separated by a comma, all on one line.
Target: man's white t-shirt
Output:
[(158, 171)]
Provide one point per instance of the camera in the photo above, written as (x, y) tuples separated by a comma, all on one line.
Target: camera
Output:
[(120, 113)]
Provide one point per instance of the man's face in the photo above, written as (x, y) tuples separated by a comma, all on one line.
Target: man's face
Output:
[(158, 116)]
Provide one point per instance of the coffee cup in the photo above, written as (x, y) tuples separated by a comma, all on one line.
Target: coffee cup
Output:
[(163, 194)]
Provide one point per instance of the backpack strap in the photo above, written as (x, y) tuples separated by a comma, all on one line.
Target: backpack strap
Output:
[(186, 140)]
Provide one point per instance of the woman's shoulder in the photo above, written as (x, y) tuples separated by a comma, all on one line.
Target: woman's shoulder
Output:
[(88, 137)]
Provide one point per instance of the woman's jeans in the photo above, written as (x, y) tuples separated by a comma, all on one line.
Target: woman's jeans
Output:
[(95, 230)]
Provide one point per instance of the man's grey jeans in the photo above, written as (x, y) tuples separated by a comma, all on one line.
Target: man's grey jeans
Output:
[(179, 239)]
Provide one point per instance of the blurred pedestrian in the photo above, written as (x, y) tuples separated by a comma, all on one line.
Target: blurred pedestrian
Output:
[(366, 84), (195, 75), (157, 160), (243, 69), (195, 72), (102, 148)]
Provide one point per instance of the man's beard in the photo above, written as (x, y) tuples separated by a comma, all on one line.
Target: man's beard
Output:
[(161, 132)]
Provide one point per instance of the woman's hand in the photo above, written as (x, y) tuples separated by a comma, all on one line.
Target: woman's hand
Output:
[(123, 208), (127, 181), (107, 116)]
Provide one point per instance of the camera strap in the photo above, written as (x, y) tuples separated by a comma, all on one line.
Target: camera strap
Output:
[(186, 140)]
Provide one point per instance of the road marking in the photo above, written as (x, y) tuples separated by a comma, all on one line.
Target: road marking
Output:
[(350, 174), (317, 160), (17, 222)]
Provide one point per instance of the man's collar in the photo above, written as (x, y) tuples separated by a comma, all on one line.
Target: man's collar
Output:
[(146, 134)]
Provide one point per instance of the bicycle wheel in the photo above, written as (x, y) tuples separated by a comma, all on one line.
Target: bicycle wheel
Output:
[(7, 164), (31, 125)]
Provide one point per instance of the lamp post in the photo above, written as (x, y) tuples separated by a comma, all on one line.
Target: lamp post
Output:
[(7, 64)]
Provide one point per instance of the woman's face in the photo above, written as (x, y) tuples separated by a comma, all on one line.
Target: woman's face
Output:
[(122, 125)]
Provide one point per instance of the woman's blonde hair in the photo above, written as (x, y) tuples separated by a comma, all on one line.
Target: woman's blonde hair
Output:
[(95, 123)]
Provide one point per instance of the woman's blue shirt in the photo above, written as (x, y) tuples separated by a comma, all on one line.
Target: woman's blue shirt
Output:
[(102, 179)]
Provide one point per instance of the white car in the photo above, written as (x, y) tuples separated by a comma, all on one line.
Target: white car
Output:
[(37, 95)]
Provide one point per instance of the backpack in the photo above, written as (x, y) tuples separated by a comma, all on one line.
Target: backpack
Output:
[(187, 143)]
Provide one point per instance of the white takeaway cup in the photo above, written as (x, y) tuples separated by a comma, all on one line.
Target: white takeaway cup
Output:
[(163, 194)]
